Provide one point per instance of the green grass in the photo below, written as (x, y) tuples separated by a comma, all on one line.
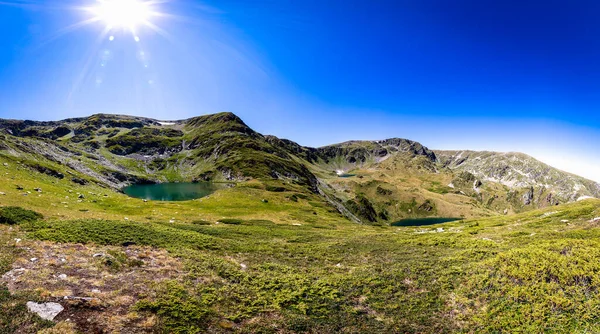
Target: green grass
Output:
[(285, 261), (530, 271)]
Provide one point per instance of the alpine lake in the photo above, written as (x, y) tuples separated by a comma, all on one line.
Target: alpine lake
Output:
[(184, 191)]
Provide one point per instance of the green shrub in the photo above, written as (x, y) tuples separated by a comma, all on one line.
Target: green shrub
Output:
[(231, 221), (179, 310), (276, 189), (13, 215), (200, 222), (259, 222), (116, 261)]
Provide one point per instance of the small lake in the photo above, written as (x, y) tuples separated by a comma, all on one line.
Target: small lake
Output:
[(173, 191), (424, 221), (346, 175)]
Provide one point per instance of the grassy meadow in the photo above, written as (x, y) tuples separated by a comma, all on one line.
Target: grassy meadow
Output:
[(249, 260)]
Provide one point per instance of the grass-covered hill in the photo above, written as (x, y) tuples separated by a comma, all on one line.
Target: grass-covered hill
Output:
[(120, 150), (276, 252), (383, 180), (233, 263)]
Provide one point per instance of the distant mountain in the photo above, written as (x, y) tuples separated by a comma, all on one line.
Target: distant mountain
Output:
[(369, 181), (518, 170)]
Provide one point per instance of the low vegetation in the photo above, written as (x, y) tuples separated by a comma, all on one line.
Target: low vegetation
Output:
[(251, 275), (12, 215), (270, 254)]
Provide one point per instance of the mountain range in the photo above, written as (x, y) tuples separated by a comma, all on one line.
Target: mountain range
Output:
[(374, 182)]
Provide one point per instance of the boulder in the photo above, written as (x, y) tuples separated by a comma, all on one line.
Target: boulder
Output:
[(46, 311)]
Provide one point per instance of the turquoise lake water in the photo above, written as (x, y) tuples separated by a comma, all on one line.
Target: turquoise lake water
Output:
[(173, 191)]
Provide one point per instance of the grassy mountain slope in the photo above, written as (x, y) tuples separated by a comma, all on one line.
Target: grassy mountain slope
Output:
[(395, 178), (119, 150), (232, 263), (517, 170), (273, 254), (399, 178)]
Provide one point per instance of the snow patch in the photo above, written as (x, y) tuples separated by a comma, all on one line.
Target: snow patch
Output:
[(166, 123)]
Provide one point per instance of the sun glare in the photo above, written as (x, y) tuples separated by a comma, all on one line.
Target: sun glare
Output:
[(123, 14)]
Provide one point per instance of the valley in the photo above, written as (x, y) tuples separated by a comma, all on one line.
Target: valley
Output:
[(286, 245)]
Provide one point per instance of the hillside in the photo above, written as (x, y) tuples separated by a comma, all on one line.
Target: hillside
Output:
[(517, 170), (233, 263), (280, 249), (382, 181)]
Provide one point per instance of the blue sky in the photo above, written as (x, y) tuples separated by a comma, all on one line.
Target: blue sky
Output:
[(462, 74)]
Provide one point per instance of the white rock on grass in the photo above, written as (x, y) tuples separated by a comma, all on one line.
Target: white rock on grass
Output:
[(46, 311), (12, 275)]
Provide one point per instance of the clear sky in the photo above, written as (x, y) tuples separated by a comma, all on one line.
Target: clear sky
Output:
[(510, 75)]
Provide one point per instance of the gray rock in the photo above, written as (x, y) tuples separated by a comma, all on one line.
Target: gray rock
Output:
[(528, 197), (13, 274), (46, 311), (62, 277)]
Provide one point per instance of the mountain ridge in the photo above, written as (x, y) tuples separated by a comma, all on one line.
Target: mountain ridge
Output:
[(388, 179)]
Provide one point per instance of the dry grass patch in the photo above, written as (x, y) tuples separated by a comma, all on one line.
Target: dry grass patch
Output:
[(97, 285)]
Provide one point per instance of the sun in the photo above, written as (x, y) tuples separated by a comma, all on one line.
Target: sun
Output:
[(122, 14)]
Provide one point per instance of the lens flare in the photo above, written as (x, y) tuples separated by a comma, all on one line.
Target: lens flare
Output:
[(125, 14)]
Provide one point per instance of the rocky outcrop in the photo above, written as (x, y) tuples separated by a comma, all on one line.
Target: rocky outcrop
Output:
[(528, 197)]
